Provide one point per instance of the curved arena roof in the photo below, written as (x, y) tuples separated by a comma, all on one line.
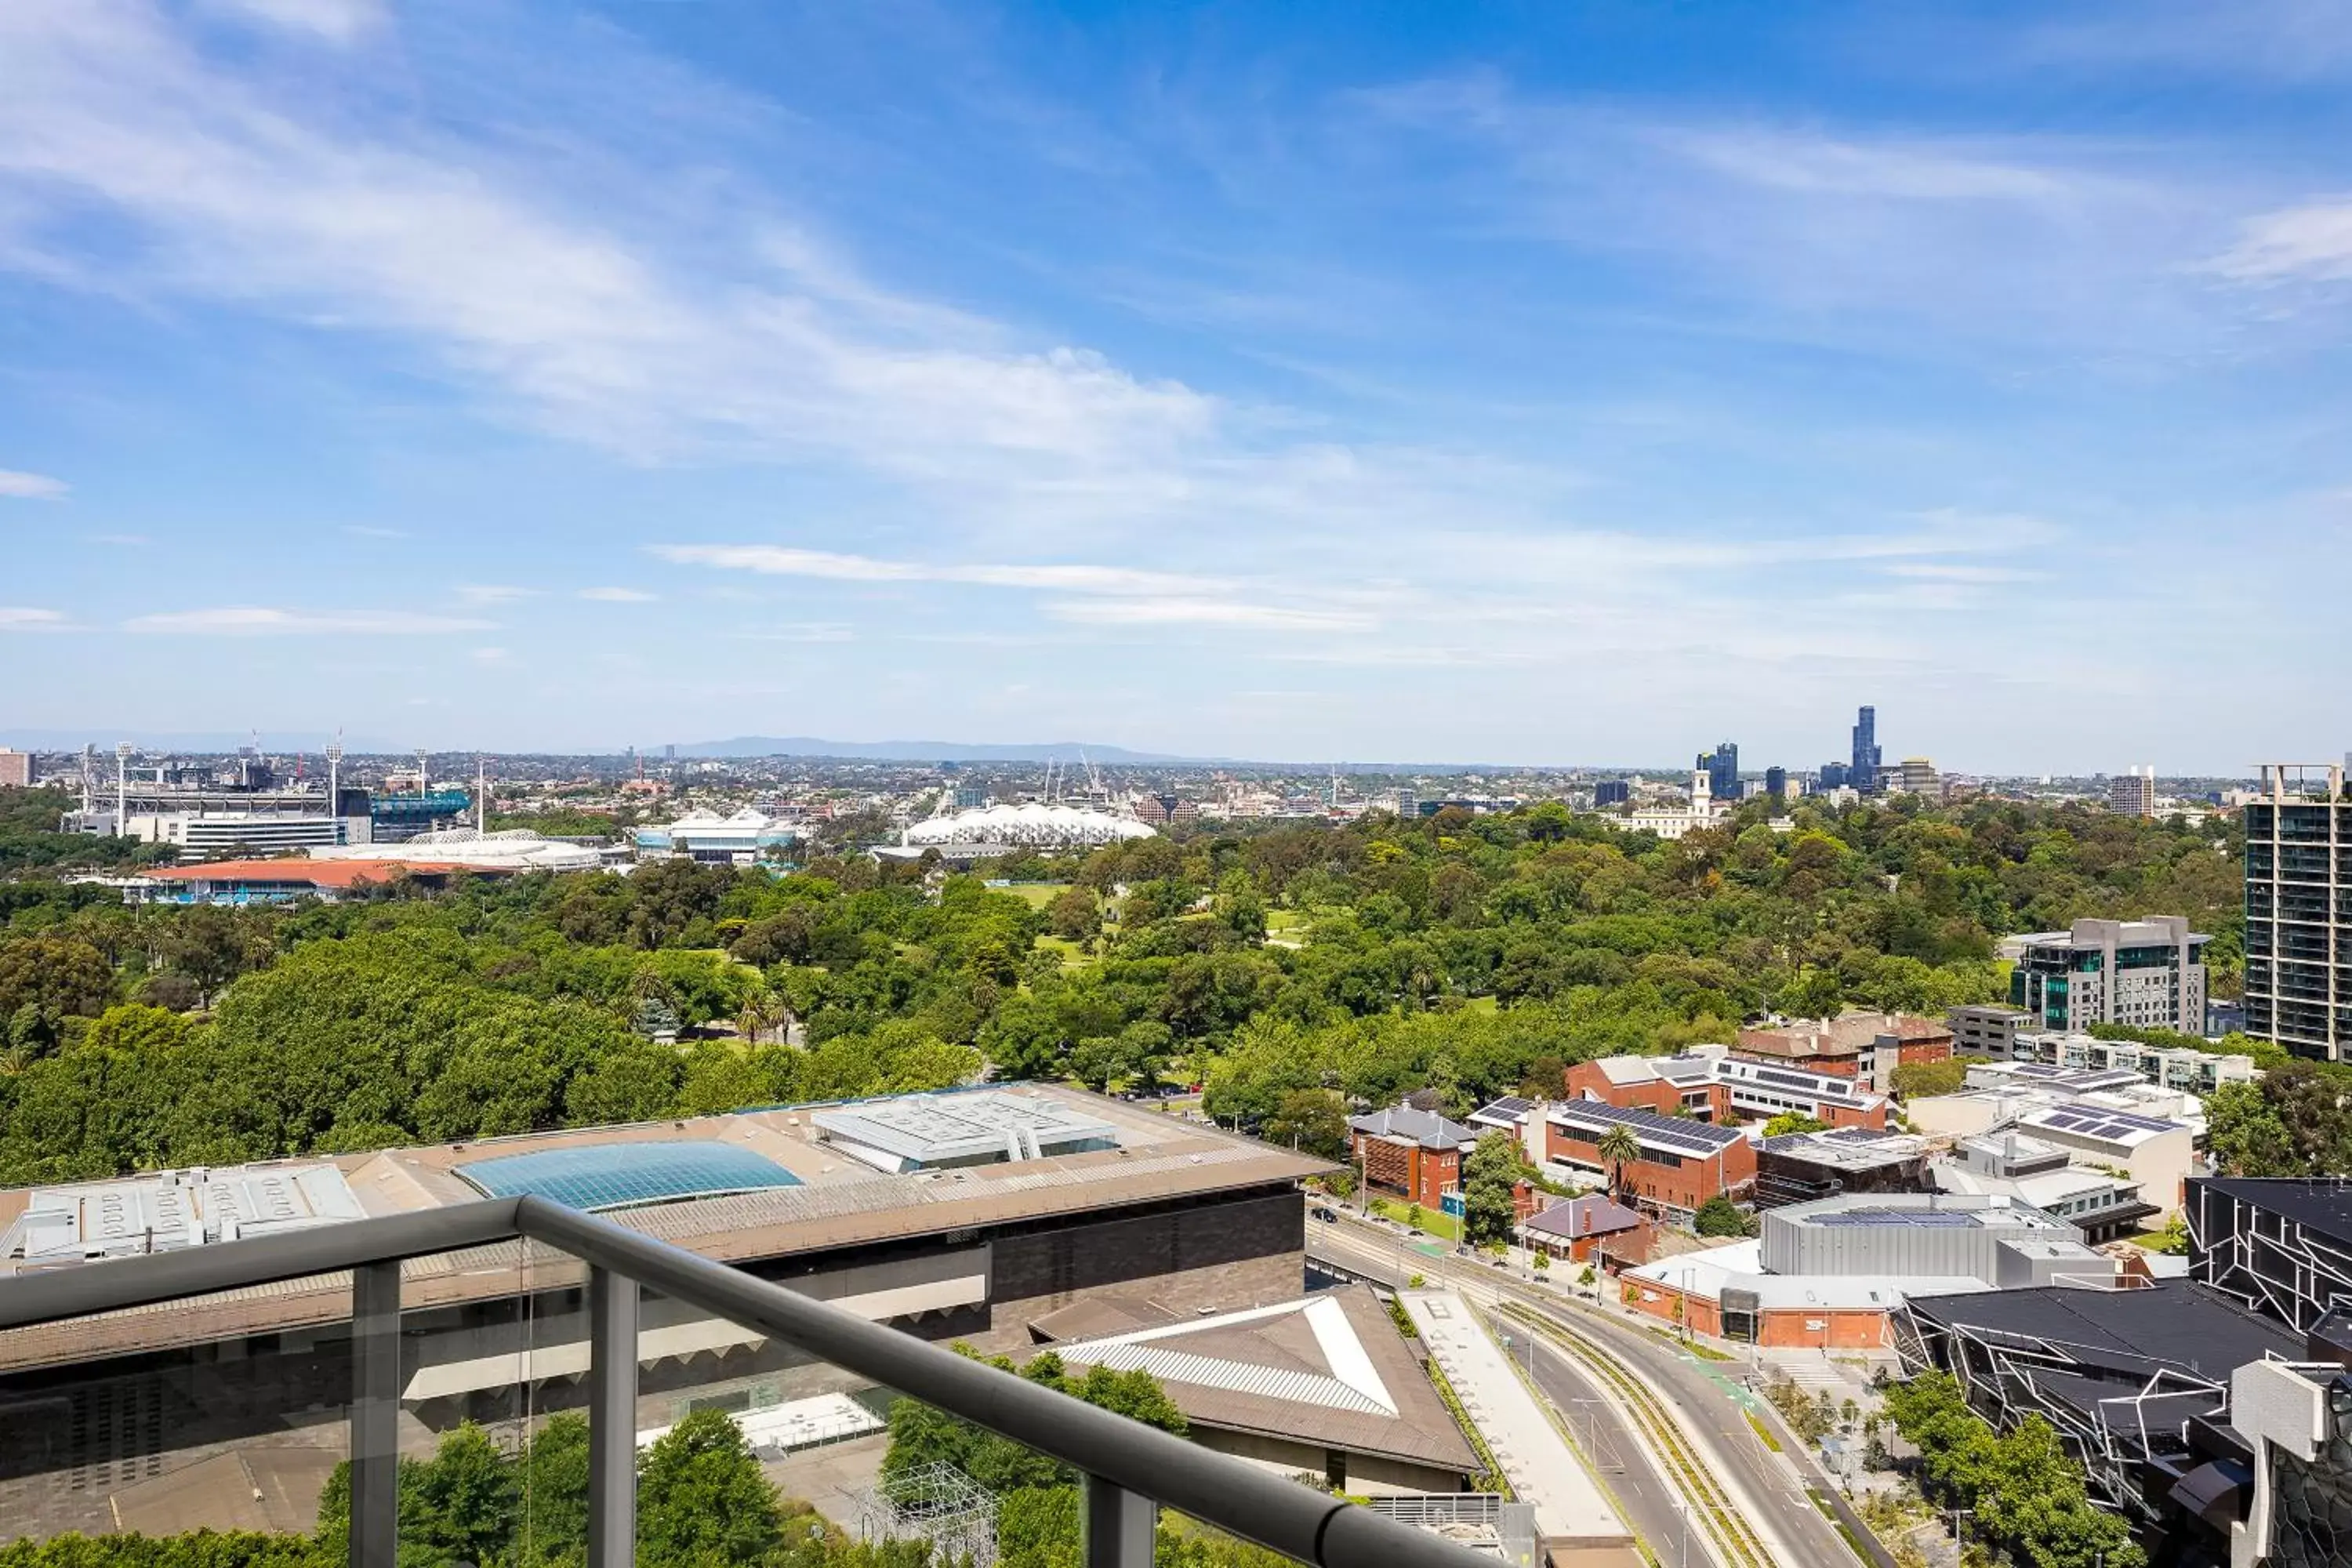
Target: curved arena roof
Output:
[(510, 848), (1031, 824)]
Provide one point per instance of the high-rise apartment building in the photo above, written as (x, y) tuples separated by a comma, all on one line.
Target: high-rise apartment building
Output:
[(2299, 911), (15, 767), (1863, 772), (2132, 792), (1776, 782), (1722, 769)]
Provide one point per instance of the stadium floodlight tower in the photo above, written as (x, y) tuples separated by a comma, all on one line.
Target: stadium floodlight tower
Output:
[(122, 788)]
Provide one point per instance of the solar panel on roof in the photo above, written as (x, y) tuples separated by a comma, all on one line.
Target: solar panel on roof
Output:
[(616, 1175)]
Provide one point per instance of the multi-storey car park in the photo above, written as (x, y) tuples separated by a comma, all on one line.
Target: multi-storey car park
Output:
[(2299, 911), (973, 1215)]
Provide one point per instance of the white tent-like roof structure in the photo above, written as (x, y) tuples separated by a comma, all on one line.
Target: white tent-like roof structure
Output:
[(1033, 825), (510, 848)]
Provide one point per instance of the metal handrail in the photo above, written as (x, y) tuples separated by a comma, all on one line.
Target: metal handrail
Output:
[(1111, 1451)]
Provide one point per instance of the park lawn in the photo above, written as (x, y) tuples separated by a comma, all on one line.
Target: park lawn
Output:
[(1072, 955), (1433, 1222), (1036, 895), (1482, 1004)]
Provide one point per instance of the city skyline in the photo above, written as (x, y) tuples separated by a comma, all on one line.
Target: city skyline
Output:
[(1539, 386)]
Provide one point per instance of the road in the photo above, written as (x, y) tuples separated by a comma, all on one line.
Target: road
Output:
[(1706, 1405)]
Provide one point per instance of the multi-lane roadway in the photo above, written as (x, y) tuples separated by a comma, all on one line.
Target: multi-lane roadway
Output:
[(1670, 1435)]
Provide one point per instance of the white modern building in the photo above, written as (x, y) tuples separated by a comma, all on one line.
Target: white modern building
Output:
[(209, 834), (737, 838), (1030, 824)]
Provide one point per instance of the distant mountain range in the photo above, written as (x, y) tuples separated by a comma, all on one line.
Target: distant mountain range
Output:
[(915, 751), (197, 743)]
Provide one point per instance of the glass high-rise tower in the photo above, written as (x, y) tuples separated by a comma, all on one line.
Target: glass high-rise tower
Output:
[(1864, 775), (2299, 911)]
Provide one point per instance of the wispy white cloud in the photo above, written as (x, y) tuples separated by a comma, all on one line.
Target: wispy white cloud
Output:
[(2311, 242), (1101, 596), (1191, 612), (563, 305), (126, 539), (334, 21), (618, 595), (24, 618), (783, 561), (492, 592), (489, 655), (22, 486), (247, 620), (798, 631)]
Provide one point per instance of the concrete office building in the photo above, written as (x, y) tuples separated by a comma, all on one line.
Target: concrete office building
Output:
[(1987, 1030), (1001, 1208), (2147, 973), (1607, 792), (1918, 776), (2299, 911), (1776, 782), (16, 768), (2043, 1175)]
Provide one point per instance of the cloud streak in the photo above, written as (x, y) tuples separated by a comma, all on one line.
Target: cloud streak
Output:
[(19, 485), (249, 620)]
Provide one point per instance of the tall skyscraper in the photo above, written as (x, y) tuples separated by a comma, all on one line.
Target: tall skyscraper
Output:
[(1776, 782), (1864, 772), (1722, 769), (2299, 911)]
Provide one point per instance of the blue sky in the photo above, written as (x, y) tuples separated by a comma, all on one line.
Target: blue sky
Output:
[(1542, 382)]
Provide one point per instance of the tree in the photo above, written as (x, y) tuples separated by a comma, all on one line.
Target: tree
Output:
[(701, 1499), (1490, 1178), (1619, 1147), (1790, 1121), (1916, 1080), (1074, 915), (466, 1503), (1720, 1217), (1314, 1119)]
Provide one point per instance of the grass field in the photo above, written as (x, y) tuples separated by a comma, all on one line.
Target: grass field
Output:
[(1036, 895), (1433, 1222)]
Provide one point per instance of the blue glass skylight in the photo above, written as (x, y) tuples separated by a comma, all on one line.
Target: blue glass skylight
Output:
[(618, 1176)]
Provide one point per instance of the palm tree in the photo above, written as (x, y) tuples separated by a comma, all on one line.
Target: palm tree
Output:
[(761, 1009), (1617, 1146)]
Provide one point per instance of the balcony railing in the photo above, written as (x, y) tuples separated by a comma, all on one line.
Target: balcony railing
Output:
[(1129, 1471)]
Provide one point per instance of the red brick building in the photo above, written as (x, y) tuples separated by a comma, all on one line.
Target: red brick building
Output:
[(1588, 1229), (1866, 1047), (1416, 1155), (1681, 1165), (1711, 1084)]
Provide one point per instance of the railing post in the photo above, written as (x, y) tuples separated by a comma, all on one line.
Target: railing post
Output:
[(612, 1419), (1116, 1526), (376, 1415)]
